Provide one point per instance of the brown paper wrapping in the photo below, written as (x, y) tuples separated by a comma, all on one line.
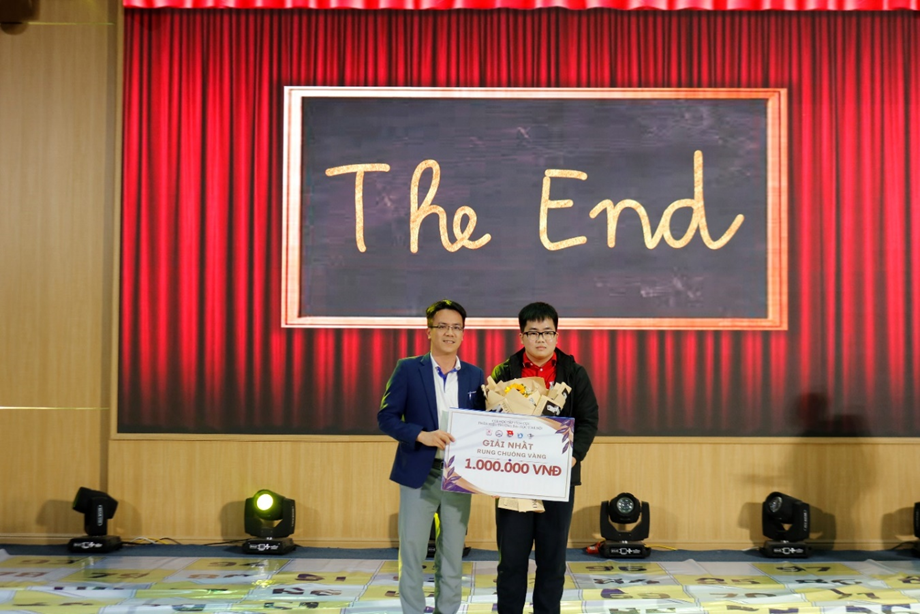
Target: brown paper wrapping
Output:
[(527, 396)]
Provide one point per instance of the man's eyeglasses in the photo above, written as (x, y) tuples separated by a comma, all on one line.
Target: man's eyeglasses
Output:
[(443, 328), (533, 335)]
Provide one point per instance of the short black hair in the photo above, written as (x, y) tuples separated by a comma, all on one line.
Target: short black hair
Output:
[(444, 304), (537, 312)]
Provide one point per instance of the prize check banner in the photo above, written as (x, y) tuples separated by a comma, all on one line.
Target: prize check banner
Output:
[(509, 455)]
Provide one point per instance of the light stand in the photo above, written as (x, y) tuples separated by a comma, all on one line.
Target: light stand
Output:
[(269, 518), (433, 537), (97, 508), (917, 528), (786, 524), (624, 544)]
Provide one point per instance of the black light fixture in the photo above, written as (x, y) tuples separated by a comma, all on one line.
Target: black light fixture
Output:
[(786, 524), (433, 535), (97, 508), (17, 11), (269, 518), (917, 528), (624, 542)]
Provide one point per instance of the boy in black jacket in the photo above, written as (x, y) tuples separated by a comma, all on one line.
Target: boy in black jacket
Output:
[(546, 532)]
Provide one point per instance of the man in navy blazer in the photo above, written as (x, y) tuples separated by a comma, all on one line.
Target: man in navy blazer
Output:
[(414, 412)]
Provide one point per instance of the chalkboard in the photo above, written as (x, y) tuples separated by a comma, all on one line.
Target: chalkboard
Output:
[(622, 208)]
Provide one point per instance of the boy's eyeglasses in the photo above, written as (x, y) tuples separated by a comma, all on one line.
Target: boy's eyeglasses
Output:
[(533, 335)]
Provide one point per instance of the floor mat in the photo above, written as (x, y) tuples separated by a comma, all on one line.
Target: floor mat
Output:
[(115, 584)]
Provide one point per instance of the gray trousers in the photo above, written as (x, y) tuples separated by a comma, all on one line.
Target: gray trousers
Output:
[(416, 512)]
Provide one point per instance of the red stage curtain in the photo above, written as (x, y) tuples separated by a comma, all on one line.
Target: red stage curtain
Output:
[(201, 349), (667, 5)]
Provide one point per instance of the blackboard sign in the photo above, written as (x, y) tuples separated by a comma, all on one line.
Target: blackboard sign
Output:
[(622, 208)]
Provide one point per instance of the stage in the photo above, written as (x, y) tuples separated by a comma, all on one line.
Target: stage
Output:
[(158, 578)]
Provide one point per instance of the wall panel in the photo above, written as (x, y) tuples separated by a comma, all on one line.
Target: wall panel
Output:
[(56, 169), (46, 456), (57, 101), (704, 494)]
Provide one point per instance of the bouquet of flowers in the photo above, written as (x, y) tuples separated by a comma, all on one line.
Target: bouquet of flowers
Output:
[(528, 396)]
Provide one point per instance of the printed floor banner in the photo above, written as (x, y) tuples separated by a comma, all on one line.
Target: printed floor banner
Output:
[(152, 584)]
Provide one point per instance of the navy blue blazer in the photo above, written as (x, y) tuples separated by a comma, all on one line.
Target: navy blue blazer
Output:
[(409, 407)]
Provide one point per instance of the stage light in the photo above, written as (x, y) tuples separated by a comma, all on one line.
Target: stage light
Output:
[(624, 509), (269, 518), (433, 536), (917, 528), (786, 524), (97, 508)]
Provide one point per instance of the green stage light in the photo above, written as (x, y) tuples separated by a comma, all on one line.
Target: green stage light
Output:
[(433, 536), (269, 506), (269, 518)]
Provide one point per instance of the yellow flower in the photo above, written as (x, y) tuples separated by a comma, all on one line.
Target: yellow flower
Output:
[(519, 387)]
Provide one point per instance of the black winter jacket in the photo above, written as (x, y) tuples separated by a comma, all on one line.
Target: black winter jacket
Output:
[(581, 403)]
